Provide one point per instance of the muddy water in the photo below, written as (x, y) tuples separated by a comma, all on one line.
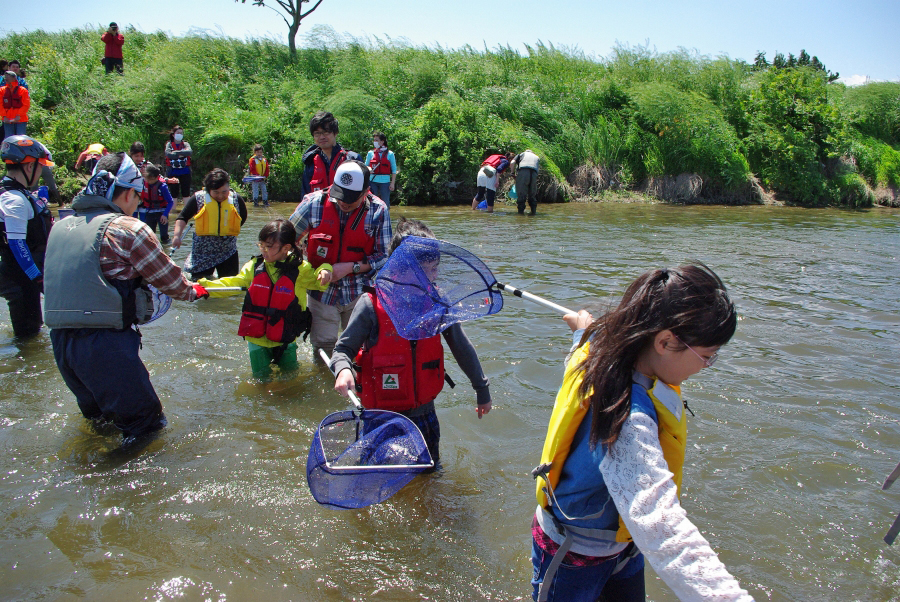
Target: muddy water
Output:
[(795, 429)]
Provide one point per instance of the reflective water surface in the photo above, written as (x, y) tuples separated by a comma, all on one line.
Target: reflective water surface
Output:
[(796, 427)]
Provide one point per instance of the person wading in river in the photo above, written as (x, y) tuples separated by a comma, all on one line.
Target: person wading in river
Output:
[(94, 296)]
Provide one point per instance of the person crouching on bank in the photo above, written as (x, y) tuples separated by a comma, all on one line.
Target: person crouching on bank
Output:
[(96, 265)]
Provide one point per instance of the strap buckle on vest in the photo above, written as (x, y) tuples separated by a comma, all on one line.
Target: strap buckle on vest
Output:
[(543, 471)]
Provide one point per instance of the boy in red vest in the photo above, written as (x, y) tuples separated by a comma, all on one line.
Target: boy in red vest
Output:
[(415, 376), (259, 168)]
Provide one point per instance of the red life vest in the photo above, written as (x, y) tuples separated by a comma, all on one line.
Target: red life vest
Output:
[(11, 99), (150, 197), (329, 243), (323, 175), (397, 374), (380, 164), (271, 309), (494, 161)]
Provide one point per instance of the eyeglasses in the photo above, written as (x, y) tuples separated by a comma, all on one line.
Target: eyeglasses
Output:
[(706, 362), (265, 247)]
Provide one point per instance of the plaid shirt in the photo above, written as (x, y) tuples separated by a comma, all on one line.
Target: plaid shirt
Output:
[(308, 215), (129, 248)]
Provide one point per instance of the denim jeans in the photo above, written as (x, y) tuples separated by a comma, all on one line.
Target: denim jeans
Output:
[(382, 190), (14, 129), (590, 583), (259, 188), (151, 218)]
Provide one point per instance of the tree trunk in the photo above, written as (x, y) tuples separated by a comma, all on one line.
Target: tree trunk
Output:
[(292, 40)]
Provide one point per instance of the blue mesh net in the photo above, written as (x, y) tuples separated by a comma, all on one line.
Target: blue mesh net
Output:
[(362, 458), (161, 303), (428, 285)]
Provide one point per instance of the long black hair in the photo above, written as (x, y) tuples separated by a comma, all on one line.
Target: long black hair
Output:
[(690, 300)]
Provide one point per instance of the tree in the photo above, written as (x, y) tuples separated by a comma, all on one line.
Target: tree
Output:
[(294, 10)]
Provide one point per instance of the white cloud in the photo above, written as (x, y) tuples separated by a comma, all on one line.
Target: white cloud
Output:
[(854, 80)]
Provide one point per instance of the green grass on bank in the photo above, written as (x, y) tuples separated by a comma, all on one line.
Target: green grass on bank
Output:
[(630, 121)]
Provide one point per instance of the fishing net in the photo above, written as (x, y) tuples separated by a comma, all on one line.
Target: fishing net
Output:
[(428, 285), (161, 303), (360, 458)]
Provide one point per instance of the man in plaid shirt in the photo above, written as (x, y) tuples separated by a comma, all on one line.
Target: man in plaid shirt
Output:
[(349, 228), (95, 346)]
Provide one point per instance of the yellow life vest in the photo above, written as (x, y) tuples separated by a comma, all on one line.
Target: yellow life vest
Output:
[(570, 409), (218, 219)]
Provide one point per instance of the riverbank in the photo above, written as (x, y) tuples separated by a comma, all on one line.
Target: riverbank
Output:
[(638, 117)]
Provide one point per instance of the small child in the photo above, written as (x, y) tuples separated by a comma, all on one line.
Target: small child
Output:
[(274, 312), (156, 201), (259, 167), (370, 338), (618, 433)]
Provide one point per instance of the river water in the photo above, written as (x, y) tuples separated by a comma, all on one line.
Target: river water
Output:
[(796, 428)]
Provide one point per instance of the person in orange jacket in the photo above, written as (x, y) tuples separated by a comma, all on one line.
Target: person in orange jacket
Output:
[(14, 107)]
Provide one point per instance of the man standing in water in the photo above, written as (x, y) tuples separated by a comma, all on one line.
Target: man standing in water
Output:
[(25, 224), (324, 157), (349, 228), (97, 263), (525, 168)]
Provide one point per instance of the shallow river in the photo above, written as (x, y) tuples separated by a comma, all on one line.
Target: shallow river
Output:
[(796, 428)]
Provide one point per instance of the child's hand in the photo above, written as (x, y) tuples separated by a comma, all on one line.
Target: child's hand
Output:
[(345, 382), (324, 277), (483, 409), (578, 321), (163, 220)]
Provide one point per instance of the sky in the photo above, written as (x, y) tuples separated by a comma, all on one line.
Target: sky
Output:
[(859, 39)]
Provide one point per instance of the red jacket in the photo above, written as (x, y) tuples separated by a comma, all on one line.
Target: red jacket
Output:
[(113, 45), (397, 374), (15, 102)]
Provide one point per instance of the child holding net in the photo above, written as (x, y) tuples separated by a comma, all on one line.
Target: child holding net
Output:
[(274, 312), (612, 460), (397, 374)]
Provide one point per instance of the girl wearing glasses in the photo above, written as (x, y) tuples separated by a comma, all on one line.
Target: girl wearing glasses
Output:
[(611, 467), (274, 313)]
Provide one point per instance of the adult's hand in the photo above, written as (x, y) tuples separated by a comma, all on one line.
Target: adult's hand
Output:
[(201, 292), (176, 242), (345, 382)]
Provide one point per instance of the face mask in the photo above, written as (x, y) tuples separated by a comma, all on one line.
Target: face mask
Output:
[(377, 144), (179, 137)]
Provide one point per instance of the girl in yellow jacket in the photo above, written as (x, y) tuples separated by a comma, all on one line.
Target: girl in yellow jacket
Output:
[(610, 471), (274, 312)]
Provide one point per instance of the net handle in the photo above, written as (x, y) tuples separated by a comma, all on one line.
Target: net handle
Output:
[(539, 300), (226, 289), (350, 393)]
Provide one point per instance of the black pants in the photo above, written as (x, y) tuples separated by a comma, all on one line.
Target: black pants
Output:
[(104, 371), (111, 63), (23, 296), (229, 267), (152, 220)]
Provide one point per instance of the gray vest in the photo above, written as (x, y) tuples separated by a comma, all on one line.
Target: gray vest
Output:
[(530, 160), (76, 294)]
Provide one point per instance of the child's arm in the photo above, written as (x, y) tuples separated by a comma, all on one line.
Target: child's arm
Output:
[(243, 280), (363, 326), (641, 487), (310, 278), (467, 359), (167, 197)]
